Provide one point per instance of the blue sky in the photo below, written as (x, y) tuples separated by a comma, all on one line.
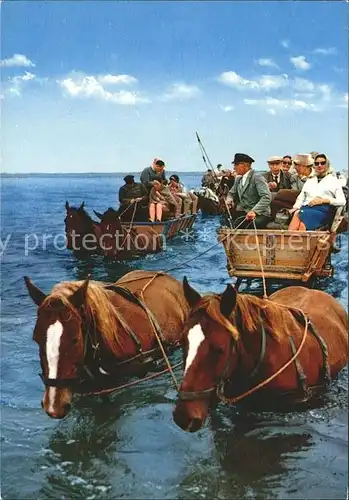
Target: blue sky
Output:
[(108, 86)]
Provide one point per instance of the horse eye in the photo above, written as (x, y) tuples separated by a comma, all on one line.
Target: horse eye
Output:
[(74, 341)]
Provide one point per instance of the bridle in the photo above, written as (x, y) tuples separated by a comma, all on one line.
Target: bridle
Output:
[(90, 341), (205, 394), (299, 316)]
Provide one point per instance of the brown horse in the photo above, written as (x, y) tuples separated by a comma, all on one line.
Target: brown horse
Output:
[(234, 343), (82, 232), (91, 334)]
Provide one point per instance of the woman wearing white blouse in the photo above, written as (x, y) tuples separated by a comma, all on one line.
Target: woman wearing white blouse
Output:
[(319, 197)]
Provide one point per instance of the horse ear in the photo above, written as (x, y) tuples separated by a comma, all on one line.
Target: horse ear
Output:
[(190, 294), (81, 207), (98, 214), (79, 296), (35, 293), (67, 205), (228, 301)]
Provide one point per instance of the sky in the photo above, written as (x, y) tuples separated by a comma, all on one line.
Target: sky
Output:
[(107, 86)]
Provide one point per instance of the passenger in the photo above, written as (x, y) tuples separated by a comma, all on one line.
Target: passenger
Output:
[(130, 193), (209, 180), (156, 171), (250, 196), (286, 163), (320, 195), (277, 178), (303, 170), (187, 199), (162, 201), (226, 182)]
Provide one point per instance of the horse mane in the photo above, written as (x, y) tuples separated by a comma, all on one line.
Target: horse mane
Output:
[(110, 214), (85, 215), (99, 311), (250, 312)]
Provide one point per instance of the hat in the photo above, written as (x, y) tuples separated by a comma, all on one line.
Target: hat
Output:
[(306, 160), (242, 158), (159, 163), (275, 159), (129, 178)]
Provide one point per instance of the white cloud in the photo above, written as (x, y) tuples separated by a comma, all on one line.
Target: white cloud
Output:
[(181, 91), (303, 85), (90, 87), (16, 83), (227, 109), (265, 82), (326, 52), (116, 79), (300, 62), (19, 60), (267, 62), (271, 104), (344, 101), (285, 43)]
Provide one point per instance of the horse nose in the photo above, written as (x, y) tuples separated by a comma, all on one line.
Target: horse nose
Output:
[(194, 425), (59, 414)]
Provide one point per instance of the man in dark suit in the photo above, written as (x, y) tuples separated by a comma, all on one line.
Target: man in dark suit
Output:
[(130, 193), (250, 196), (155, 171), (277, 178)]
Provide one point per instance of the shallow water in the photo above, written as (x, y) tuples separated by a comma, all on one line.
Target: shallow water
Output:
[(127, 445)]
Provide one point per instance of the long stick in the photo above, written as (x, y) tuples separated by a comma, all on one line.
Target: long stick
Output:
[(205, 155)]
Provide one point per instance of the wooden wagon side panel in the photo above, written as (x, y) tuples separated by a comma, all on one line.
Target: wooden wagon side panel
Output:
[(284, 254)]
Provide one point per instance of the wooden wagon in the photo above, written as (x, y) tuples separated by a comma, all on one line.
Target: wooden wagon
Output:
[(285, 255), (141, 238)]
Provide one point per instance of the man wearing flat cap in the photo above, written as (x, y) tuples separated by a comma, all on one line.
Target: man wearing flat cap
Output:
[(277, 178), (250, 196), (155, 171), (133, 192)]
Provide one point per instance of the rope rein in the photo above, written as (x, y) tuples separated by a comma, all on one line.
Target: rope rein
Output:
[(236, 399)]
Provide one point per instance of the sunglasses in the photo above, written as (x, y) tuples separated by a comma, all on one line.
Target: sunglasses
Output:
[(287, 163), (317, 163)]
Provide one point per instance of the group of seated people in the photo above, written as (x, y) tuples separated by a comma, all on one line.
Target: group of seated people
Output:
[(154, 197), (304, 185)]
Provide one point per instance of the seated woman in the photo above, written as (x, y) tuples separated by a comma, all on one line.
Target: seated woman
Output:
[(186, 200), (315, 204), (162, 201)]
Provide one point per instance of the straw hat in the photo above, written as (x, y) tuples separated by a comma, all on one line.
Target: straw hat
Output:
[(305, 160)]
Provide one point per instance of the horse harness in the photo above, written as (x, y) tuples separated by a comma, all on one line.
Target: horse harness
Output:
[(142, 357), (302, 379)]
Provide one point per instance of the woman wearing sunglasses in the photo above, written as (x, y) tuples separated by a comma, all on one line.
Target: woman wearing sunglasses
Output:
[(320, 196)]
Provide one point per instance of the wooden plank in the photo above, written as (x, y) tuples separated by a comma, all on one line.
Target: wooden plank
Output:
[(284, 254)]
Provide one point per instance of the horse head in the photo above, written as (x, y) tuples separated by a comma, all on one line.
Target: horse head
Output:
[(60, 337), (79, 227), (209, 340), (111, 229)]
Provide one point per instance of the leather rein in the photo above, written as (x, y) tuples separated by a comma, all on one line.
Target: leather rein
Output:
[(219, 387), (143, 357)]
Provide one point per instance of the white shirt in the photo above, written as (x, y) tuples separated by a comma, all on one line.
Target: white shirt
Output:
[(329, 187), (244, 178)]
